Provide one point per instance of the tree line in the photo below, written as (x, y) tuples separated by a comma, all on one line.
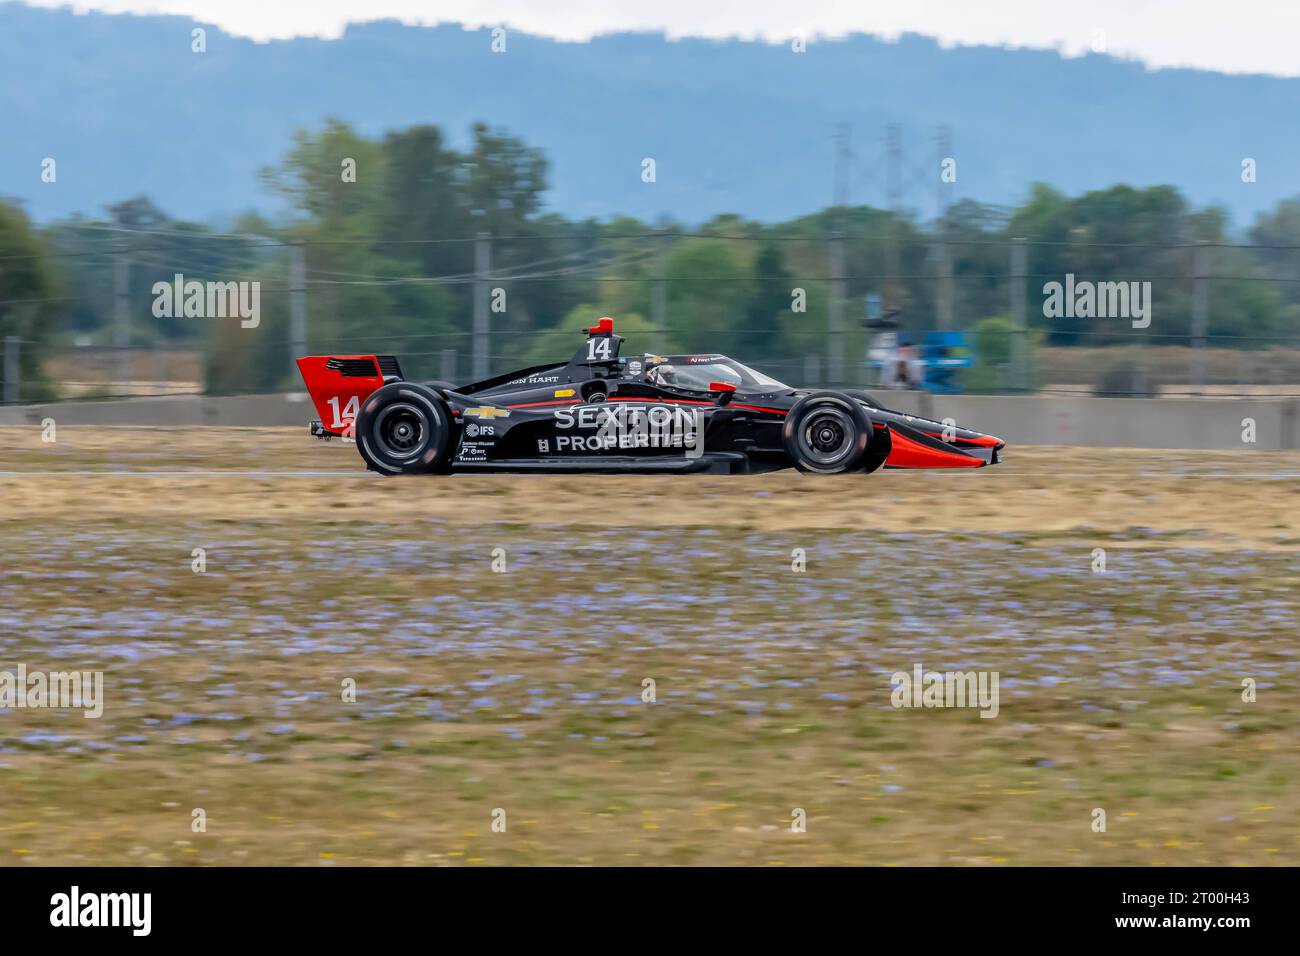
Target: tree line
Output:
[(389, 229)]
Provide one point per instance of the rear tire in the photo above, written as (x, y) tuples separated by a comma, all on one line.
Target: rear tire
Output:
[(404, 429), (827, 433)]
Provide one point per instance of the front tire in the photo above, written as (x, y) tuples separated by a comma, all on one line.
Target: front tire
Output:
[(827, 433), (880, 443), (404, 429)]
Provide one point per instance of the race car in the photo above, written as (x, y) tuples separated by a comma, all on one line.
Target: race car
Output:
[(601, 412)]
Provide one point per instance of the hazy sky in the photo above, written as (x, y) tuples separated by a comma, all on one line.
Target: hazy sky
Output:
[(1232, 36)]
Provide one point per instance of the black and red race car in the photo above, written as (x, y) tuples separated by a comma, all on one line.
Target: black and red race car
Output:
[(601, 412)]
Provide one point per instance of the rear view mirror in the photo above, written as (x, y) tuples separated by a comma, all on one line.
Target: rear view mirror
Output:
[(723, 391)]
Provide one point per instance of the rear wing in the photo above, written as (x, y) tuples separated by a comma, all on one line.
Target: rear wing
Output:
[(338, 384)]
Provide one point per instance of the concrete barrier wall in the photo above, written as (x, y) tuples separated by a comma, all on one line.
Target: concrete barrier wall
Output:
[(1123, 422), (293, 408), (1020, 419)]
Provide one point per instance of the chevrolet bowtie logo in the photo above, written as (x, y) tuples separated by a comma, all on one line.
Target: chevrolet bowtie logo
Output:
[(488, 411)]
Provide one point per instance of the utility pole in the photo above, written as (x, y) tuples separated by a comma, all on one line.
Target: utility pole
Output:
[(482, 266), (843, 163), (835, 312), (157, 373), (1200, 311), (943, 290), (835, 251), (812, 371), (894, 188), (122, 316), (943, 296), (1019, 345), (943, 140), (297, 301), (659, 291)]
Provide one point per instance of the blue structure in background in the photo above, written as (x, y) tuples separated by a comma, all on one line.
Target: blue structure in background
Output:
[(943, 354), (940, 355)]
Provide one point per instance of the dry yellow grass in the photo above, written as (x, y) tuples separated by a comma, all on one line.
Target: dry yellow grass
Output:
[(1223, 498), (521, 690)]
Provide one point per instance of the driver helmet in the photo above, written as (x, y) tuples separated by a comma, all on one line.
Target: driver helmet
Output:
[(658, 371)]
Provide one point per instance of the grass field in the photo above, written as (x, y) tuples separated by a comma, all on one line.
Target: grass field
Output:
[(521, 690)]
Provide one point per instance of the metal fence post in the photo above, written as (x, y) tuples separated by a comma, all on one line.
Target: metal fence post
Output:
[(13, 370), (659, 291), (482, 266), (122, 318), (835, 313), (943, 290), (158, 386), (1200, 312), (1019, 345), (297, 302)]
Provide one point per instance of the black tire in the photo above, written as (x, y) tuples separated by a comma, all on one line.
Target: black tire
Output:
[(881, 443), (878, 449), (827, 433), (862, 396), (404, 429)]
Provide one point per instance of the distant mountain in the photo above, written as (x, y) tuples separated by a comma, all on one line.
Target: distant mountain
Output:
[(124, 107)]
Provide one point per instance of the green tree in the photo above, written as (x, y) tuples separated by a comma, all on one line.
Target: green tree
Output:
[(769, 303), (421, 208), (503, 181), (27, 292), (332, 179), (707, 292), (992, 341)]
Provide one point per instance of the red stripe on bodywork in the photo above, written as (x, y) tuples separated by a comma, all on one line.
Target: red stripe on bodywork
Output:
[(906, 453)]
